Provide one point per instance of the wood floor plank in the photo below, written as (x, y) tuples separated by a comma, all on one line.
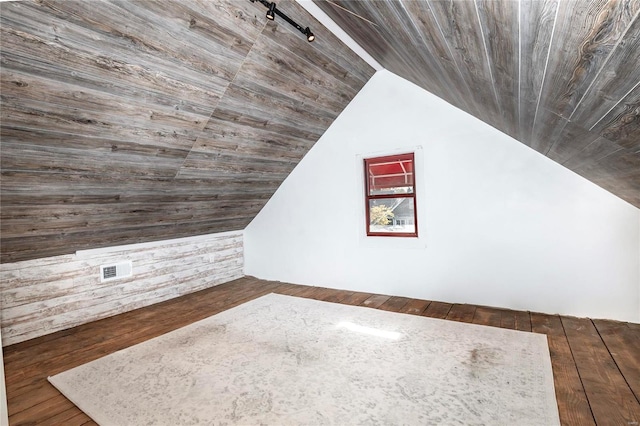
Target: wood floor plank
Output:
[(318, 293), (508, 319), (291, 290), (394, 304), (461, 312), (286, 288), (28, 345), (415, 307), (623, 342), (307, 292), (72, 416), (573, 405), (437, 310), (356, 299), (488, 316), (375, 301), (267, 288), (609, 395), (523, 321), (605, 352), (322, 293), (336, 296), (40, 392), (39, 414)]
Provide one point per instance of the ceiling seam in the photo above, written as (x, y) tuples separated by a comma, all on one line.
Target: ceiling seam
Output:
[(616, 104), (555, 142), (520, 129), (432, 56), (352, 13), (546, 65), (453, 57), (486, 52), (264, 25), (400, 55), (324, 19), (591, 143), (312, 64)]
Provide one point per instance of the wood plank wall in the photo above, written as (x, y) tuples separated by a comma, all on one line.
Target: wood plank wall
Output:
[(42, 296)]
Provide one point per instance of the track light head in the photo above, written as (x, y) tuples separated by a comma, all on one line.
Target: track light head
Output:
[(309, 34), (271, 12)]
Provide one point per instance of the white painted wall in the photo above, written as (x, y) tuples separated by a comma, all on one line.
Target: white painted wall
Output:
[(500, 224)]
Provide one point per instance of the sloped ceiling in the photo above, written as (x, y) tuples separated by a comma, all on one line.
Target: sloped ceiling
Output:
[(133, 121), (130, 121), (562, 77)]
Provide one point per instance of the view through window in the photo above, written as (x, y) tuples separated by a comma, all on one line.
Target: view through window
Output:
[(391, 196)]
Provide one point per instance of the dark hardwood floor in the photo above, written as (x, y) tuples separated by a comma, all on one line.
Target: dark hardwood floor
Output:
[(596, 363)]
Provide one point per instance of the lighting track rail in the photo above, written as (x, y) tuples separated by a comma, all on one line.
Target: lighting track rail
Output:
[(273, 11)]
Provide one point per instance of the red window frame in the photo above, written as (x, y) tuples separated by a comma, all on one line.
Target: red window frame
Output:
[(368, 162)]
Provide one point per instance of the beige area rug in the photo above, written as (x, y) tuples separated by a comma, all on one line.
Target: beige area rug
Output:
[(285, 360)]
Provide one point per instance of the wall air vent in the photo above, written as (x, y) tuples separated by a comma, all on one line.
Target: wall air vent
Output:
[(115, 271)]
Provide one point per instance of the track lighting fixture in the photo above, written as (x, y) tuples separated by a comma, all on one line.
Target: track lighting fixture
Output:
[(273, 11), (309, 34)]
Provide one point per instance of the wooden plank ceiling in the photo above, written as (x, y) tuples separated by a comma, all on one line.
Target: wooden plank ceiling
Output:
[(562, 77), (133, 121), (130, 121)]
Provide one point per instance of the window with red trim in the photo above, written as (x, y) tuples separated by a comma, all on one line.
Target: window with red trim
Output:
[(391, 196)]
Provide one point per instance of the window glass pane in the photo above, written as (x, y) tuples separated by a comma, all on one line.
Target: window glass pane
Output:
[(390, 176), (390, 190), (392, 215)]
